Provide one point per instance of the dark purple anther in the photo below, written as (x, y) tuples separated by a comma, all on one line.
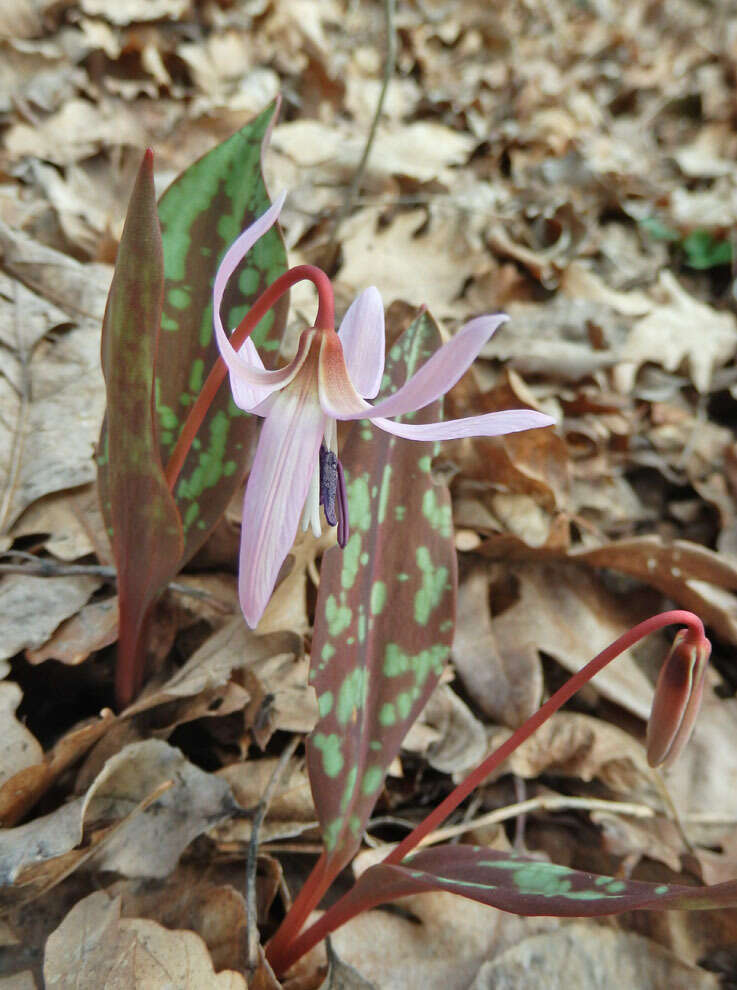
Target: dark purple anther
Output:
[(343, 526), (333, 494), (328, 483)]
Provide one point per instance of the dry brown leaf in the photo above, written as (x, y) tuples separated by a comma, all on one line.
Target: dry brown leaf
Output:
[(506, 686), (92, 628), (585, 956), (31, 608), (291, 810), (407, 262), (460, 742), (566, 613), (681, 331), (19, 748), (95, 949), (149, 837), (573, 745), (440, 949)]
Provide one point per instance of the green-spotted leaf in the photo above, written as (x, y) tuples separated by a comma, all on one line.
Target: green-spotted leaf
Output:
[(146, 530), (385, 611), (523, 885), (201, 214)]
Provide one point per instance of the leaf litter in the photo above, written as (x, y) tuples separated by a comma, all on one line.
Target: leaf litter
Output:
[(566, 167)]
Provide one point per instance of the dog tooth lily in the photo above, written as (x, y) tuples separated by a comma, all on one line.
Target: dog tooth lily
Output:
[(296, 469)]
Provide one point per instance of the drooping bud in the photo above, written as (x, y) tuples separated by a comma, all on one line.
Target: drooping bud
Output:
[(678, 693)]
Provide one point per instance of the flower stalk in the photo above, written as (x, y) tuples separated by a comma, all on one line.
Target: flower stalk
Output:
[(285, 949)]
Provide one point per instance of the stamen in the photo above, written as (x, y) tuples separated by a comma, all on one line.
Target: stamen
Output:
[(343, 525), (328, 483)]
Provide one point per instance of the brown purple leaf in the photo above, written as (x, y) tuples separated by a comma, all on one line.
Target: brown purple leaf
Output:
[(385, 611)]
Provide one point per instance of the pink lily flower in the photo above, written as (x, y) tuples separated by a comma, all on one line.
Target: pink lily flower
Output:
[(296, 469)]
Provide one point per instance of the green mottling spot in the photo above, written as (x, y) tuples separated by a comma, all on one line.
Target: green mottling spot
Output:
[(402, 577), (387, 715), (400, 511), (328, 651), (364, 558), (229, 468), (166, 437), (352, 695), (249, 281), (437, 514), (386, 480), (422, 664), (425, 463), (350, 786), (404, 704), (427, 598), (179, 297), (325, 703), (372, 780), (196, 375), (329, 746), (209, 468), (354, 824), (351, 555), (169, 324), (331, 832), (375, 746), (374, 491), (167, 418), (366, 434), (615, 887), (350, 641), (395, 353), (378, 597), (191, 514), (338, 616), (361, 630), (360, 503), (662, 889)]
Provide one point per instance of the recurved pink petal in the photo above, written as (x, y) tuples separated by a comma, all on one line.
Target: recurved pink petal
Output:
[(338, 395), (250, 383), (362, 336), (277, 487), (490, 425), (440, 373)]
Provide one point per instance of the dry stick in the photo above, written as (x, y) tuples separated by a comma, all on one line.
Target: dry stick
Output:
[(252, 934), (19, 433), (352, 190), (325, 320), (338, 914)]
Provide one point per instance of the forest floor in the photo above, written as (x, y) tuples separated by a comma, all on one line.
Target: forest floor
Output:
[(570, 164)]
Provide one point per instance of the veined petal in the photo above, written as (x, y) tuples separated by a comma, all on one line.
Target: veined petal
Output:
[(489, 425), (440, 373), (251, 384), (363, 338), (277, 487)]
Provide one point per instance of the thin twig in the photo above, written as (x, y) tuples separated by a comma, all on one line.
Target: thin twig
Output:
[(350, 193), (252, 934), (544, 802)]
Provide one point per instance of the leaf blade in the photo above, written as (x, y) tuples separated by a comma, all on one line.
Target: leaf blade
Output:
[(384, 617)]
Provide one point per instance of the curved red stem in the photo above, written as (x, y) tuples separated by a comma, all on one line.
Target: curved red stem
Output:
[(339, 913)]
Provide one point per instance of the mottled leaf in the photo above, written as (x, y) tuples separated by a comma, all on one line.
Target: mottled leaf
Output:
[(146, 529), (202, 213), (385, 611), (523, 885)]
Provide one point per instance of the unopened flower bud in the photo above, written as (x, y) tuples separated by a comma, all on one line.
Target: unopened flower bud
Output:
[(677, 697)]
